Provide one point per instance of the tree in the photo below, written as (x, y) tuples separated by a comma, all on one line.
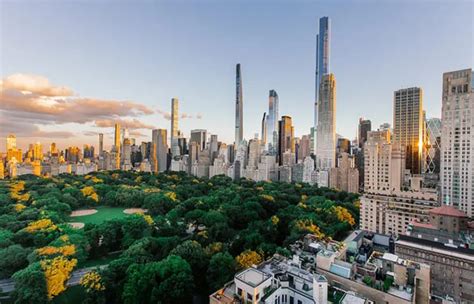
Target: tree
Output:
[(248, 258), (30, 285), (12, 259), (221, 270)]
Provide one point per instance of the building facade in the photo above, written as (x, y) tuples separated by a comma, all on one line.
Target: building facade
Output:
[(457, 154), (326, 129)]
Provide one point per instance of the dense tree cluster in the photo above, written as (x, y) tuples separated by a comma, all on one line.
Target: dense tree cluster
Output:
[(196, 235)]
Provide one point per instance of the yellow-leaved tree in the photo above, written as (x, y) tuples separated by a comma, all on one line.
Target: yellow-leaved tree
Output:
[(57, 271), (248, 258), (344, 215), (41, 225), (307, 225), (92, 281), (90, 193)]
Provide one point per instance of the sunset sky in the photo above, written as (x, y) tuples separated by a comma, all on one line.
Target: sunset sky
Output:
[(70, 69)]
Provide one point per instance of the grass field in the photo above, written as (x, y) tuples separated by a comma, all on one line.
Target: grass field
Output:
[(102, 214)]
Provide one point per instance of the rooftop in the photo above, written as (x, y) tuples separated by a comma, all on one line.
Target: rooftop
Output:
[(448, 210), (252, 276)]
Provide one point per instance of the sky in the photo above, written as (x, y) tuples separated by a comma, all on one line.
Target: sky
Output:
[(70, 69)]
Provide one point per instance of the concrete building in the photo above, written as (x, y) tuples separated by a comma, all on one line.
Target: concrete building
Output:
[(408, 126), (160, 150), (278, 280), (392, 213), (199, 136), (457, 156), (365, 126), (446, 243), (384, 163), (326, 128), (345, 177)]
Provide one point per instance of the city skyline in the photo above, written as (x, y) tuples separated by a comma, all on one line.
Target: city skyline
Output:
[(146, 111)]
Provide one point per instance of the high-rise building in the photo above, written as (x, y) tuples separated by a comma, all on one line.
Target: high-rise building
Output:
[(457, 140), (239, 124), (286, 141), (174, 127), (345, 177), (408, 125), (304, 148), (263, 135), (323, 51), (343, 146), (38, 151), (53, 150), (199, 136), (272, 123), (433, 145), (117, 137), (365, 126), (326, 129), (160, 150), (116, 149), (213, 147), (88, 151), (101, 144), (11, 142), (384, 163)]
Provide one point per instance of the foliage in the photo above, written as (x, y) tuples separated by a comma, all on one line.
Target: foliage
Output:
[(57, 271), (248, 258), (92, 282), (196, 234)]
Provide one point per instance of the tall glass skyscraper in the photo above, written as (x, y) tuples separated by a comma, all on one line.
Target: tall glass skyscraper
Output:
[(323, 52), (323, 40), (239, 125), (272, 123)]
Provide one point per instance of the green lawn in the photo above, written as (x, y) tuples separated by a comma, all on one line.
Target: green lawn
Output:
[(102, 214)]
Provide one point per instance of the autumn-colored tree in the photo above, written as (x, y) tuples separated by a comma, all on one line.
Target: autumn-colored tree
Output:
[(41, 225), (92, 281), (307, 225), (57, 271), (66, 250), (89, 192), (248, 258), (344, 215)]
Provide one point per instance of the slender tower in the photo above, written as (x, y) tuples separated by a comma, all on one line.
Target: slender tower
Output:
[(174, 127), (323, 51), (239, 126), (101, 143), (272, 123), (263, 141)]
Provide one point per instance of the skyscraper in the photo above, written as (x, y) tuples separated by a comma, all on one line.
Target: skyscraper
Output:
[(174, 127), (323, 51), (263, 135), (365, 126), (117, 141), (199, 136), (272, 123), (101, 143), (326, 129), (408, 125), (286, 141), (11, 142), (433, 145), (160, 150), (457, 140), (239, 125)]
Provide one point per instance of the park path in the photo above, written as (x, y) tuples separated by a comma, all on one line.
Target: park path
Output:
[(8, 285)]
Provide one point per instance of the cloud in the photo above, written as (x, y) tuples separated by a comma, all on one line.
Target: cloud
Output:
[(34, 84), (125, 123), (33, 98), (24, 129), (167, 115)]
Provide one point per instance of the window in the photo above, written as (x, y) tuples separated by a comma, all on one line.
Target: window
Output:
[(249, 296), (239, 291), (299, 302)]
